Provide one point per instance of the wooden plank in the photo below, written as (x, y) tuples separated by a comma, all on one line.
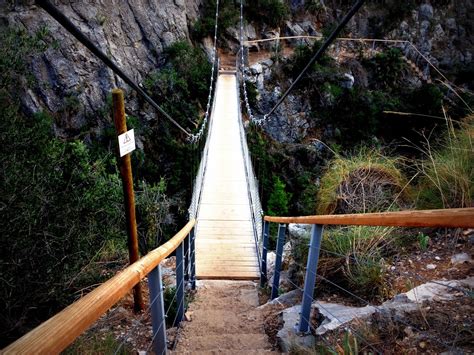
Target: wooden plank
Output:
[(229, 276), (54, 335), (454, 217)]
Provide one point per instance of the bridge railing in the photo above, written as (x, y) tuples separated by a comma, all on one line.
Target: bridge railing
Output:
[(252, 182), (199, 180), (450, 218), (58, 332)]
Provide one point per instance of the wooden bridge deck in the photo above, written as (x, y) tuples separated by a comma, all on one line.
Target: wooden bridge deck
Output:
[(225, 246)]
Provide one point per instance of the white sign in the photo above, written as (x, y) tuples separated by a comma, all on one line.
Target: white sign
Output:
[(126, 142)]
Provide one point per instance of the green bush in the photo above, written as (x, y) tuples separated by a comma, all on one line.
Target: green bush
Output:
[(388, 68), (228, 17), (270, 12), (153, 213), (61, 209), (278, 202), (354, 254), (364, 182)]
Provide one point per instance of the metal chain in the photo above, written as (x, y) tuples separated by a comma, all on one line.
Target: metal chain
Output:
[(255, 120), (194, 138)]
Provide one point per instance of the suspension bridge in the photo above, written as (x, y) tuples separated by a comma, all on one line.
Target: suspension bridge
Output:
[(226, 238)]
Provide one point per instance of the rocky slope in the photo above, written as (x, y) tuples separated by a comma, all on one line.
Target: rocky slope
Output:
[(134, 33), (442, 32)]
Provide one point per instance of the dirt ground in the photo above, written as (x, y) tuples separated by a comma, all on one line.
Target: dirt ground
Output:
[(224, 319)]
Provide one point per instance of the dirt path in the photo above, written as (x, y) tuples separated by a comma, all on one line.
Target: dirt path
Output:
[(224, 320)]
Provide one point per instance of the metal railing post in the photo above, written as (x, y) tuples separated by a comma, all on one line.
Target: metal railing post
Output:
[(157, 308), (278, 260), (186, 259), (310, 277), (263, 274), (192, 251), (179, 284)]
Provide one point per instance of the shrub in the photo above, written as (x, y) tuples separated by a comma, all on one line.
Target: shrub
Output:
[(278, 202), (365, 182), (351, 257), (271, 12), (355, 254), (228, 17), (153, 213), (388, 68), (448, 170)]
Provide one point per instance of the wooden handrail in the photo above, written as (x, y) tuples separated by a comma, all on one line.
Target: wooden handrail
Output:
[(454, 217), (54, 335)]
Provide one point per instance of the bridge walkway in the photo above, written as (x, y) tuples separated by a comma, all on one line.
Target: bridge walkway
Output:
[(225, 247)]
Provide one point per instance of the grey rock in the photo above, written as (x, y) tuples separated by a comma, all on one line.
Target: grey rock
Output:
[(348, 81), (256, 69), (287, 336), (288, 299), (249, 32), (299, 230), (337, 315), (267, 63), (426, 12), (430, 267), (461, 258)]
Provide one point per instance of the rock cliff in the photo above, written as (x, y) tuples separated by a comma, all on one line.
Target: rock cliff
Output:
[(69, 78)]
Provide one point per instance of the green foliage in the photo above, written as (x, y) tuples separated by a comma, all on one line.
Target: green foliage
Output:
[(17, 47), (423, 241), (98, 344), (353, 255), (228, 17), (192, 66), (313, 6), (61, 208), (153, 213), (447, 171), (367, 181), (301, 58), (278, 202), (270, 12), (388, 68), (252, 93), (182, 88)]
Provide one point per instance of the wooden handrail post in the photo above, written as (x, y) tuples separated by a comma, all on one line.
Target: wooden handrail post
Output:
[(125, 167)]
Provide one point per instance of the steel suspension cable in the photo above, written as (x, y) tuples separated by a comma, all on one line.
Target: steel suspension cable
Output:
[(72, 29), (319, 53)]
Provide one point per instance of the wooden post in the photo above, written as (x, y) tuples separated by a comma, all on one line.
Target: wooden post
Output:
[(124, 164)]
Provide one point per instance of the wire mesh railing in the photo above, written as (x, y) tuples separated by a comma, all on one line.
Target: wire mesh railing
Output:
[(463, 217)]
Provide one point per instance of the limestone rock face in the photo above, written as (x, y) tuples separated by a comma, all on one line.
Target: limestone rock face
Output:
[(133, 33)]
